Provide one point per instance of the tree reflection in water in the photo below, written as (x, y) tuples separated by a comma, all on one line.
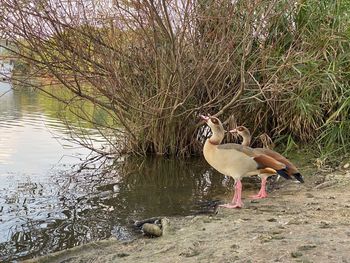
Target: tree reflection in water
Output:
[(71, 209)]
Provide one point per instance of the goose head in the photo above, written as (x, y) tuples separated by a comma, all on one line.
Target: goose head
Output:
[(216, 127), (244, 133)]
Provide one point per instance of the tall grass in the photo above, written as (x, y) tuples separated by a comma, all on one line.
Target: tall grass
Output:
[(279, 67)]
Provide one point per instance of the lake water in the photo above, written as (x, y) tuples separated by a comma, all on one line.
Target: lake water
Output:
[(47, 203)]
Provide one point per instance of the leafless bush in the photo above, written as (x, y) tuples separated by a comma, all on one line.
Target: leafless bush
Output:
[(153, 66)]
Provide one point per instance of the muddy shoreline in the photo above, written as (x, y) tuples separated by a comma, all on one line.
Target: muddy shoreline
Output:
[(297, 223)]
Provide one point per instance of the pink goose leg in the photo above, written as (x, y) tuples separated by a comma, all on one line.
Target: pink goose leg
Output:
[(237, 198), (262, 193)]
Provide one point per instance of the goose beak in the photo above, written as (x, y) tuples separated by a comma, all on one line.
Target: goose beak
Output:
[(204, 118), (233, 131)]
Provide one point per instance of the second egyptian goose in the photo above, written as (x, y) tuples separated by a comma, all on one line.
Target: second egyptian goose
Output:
[(265, 173), (235, 160)]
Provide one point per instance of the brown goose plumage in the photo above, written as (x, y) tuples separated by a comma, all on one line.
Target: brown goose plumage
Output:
[(235, 160)]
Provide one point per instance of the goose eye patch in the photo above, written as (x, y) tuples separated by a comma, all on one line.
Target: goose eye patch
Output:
[(215, 121)]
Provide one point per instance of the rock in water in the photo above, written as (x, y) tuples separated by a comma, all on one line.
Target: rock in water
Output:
[(151, 230)]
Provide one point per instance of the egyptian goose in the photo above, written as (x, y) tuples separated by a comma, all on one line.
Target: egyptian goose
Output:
[(235, 160), (265, 173)]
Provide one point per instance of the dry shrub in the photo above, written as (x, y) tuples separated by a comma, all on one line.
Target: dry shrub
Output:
[(279, 67)]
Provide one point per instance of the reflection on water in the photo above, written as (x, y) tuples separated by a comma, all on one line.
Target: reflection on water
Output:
[(75, 209), (45, 206), (31, 135)]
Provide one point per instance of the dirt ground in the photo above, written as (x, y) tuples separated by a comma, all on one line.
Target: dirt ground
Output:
[(298, 223)]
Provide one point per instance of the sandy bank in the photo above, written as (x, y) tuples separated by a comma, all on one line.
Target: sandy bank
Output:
[(297, 223)]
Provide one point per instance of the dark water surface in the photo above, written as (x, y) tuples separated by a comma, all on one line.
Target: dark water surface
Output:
[(46, 205)]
